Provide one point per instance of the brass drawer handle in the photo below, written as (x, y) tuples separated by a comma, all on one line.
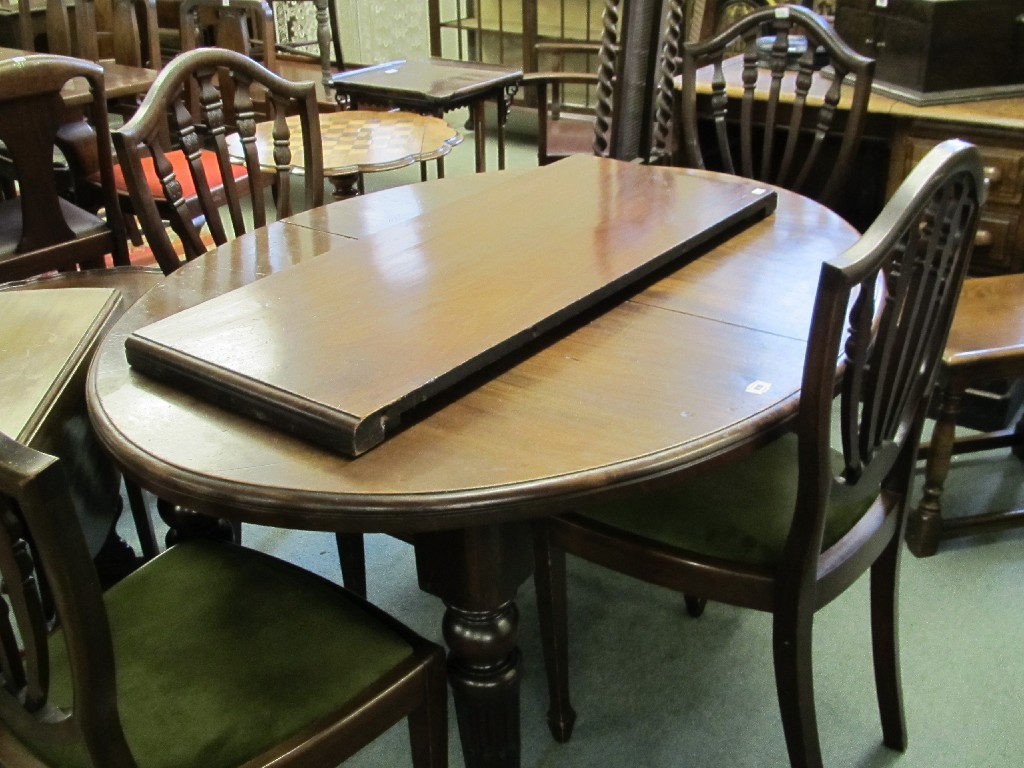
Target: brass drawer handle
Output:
[(983, 239), (993, 174)]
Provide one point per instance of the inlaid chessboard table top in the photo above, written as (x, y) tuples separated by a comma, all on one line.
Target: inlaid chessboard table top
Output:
[(362, 141)]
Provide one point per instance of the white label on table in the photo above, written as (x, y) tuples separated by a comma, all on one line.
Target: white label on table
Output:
[(758, 387)]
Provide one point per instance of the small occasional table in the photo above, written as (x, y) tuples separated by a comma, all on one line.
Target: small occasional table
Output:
[(435, 86), (357, 142)]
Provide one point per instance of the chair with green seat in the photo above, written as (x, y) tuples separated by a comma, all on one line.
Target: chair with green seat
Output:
[(209, 655), (787, 527)]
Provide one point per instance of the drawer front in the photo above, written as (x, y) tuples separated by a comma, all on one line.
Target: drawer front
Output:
[(999, 243), (1004, 169)]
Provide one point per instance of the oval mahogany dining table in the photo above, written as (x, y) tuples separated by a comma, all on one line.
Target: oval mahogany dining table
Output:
[(696, 364)]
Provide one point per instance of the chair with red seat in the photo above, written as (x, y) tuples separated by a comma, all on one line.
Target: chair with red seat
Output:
[(175, 166)]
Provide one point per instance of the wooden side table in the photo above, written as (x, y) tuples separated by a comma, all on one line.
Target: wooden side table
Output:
[(435, 86), (357, 142)]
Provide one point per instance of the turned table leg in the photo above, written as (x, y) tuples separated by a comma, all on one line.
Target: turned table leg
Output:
[(476, 572)]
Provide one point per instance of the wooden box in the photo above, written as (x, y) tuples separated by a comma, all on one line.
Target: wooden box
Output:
[(939, 51)]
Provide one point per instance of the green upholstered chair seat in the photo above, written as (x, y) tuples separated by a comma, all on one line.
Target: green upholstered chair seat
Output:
[(741, 512), (222, 653)]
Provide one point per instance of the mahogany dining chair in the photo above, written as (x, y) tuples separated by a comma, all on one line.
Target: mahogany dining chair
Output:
[(175, 166), (209, 655), (41, 230), (787, 527), (789, 138)]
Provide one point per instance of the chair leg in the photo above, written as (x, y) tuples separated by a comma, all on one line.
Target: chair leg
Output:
[(143, 522), (885, 646), (794, 682), (552, 610), (352, 557), (695, 605), (428, 723), (924, 525)]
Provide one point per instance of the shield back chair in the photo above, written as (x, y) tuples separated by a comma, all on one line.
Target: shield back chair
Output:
[(629, 55), (169, 667), (175, 166), (785, 528), (986, 344), (789, 137)]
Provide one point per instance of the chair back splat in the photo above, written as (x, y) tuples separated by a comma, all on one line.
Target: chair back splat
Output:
[(792, 55), (177, 166), (786, 528), (40, 230)]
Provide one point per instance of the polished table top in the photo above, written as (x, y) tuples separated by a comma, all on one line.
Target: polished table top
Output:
[(704, 360), (118, 80), (692, 344)]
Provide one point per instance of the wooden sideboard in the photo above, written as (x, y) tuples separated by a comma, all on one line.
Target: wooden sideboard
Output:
[(997, 127)]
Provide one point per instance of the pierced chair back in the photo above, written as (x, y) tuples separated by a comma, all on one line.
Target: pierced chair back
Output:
[(784, 138), (177, 166), (261, 697), (890, 343), (788, 527), (39, 229)]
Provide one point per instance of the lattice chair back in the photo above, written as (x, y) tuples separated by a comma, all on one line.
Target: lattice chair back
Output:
[(890, 341)]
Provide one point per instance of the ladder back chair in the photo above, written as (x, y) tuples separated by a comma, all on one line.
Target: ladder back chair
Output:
[(169, 667), (793, 56), (788, 527), (175, 166), (246, 26)]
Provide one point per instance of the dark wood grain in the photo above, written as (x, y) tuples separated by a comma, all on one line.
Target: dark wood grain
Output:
[(580, 414), (337, 349)]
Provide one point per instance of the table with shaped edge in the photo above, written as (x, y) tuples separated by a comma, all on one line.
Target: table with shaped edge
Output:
[(357, 142), (702, 363)]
